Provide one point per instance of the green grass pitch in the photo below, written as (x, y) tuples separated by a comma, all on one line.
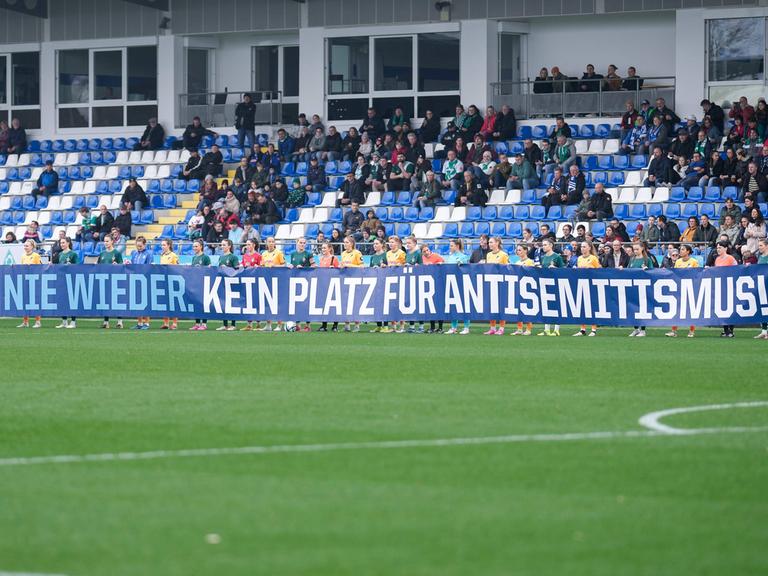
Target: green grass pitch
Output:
[(645, 505)]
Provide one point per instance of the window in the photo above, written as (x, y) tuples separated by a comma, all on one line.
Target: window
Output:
[(265, 68), (438, 62), (393, 63), (96, 88), (73, 76), (290, 71), (736, 49), (142, 73), (348, 65), (197, 76), (26, 78), (108, 75)]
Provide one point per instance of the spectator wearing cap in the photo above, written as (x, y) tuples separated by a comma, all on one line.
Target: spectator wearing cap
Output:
[(153, 137), (715, 114), (245, 121), (47, 183), (632, 81), (134, 196), (193, 135)]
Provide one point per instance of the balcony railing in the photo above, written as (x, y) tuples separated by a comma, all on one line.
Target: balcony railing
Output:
[(217, 109), (576, 97)]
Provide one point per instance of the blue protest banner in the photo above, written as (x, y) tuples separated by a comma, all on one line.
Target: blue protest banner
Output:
[(608, 297)]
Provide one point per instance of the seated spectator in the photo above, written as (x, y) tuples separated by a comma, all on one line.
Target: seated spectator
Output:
[(352, 192), (350, 144), (542, 84), (193, 135), (628, 119), (193, 169), (590, 82), (658, 169), (134, 196), (333, 147), (668, 230), (453, 169), (153, 137), (47, 183), (124, 221), (612, 79), (575, 183), (632, 81), (471, 192), (754, 185), (430, 127), (285, 145), (429, 192), (373, 125), (522, 176), (564, 154), (17, 138), (316, 179), (4, 133), (212, 162), (636, 140)]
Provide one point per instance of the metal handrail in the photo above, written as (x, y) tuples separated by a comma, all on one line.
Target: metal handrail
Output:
[(574, 96), (217, 109)]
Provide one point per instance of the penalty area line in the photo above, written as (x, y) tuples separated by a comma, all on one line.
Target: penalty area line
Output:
[(372, 445)]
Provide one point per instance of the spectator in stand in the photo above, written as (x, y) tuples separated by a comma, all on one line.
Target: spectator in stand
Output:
[(134, 196), (522, 176), (658, 169), (636, 140), (706, 233), (489, 123), (628, 119), (373, 125), (453, 168), (316, 179), (658, 135), (352, 192), (153, 137), (17, 138), (47, 183), (612, 79), (428, 193), (542, 84), (212, 162), (245, 121), (632, 82), (4, 133), (755, 184), (124, 221), (471, 192), (667, 115), (575, 184), (193, 135), (590, 82)]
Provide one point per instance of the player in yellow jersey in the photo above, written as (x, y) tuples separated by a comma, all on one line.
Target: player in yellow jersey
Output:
[(272, 257), (587, 259), (351, 258), (522, 253), (168, 258), (395, 257), (496, 256), (686, 260), (30, 257)]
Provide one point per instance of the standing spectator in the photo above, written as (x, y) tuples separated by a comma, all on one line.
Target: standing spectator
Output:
[(373, 125), (153, 137), (193, 135), (245, 121), (17, 138), (47, 183)]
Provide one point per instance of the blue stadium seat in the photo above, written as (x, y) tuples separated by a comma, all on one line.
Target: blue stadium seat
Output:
[(639, 161), (521, 212), (677, 194), (474, 213), (638, 212), (695, 194), (515, 230)]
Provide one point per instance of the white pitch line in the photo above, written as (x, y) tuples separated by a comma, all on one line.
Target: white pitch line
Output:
[(652, 420)]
